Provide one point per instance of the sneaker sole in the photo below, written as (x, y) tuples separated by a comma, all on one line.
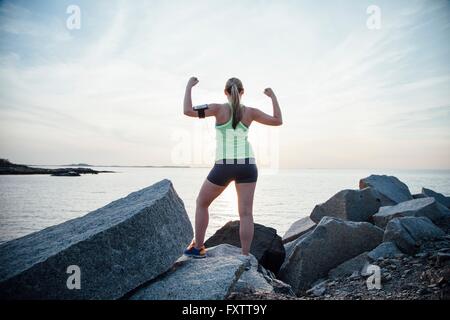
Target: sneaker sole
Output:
[(195, 256)]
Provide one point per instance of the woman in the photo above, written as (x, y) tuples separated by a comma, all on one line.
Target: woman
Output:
[(235, 160)]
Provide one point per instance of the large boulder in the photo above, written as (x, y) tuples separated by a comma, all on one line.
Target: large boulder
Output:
[(223, 271), (116, 248), (298, 228), (424, 207), (445, 201), (266, 246), (351, 205), (408, 233), (392, 190), (332, 242)]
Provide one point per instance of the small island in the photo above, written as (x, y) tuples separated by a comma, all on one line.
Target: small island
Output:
[(6, 167)]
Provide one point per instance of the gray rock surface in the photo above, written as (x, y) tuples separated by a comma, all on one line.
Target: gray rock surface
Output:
[(384, 250), (254, 279), (266, 246), (445, 201), (211, 278), (424, 207), (332, 242), (290, 246), (117, 248), (350, 267), (298, 228), (408, 233), (351, 205), (393, 191)]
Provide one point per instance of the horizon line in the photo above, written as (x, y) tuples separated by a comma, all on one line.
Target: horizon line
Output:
[(209, 166)]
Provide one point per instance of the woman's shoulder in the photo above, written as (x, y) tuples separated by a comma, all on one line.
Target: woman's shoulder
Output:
[(217, 105)]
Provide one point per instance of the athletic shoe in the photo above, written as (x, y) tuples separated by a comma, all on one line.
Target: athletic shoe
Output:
[(192, 251)]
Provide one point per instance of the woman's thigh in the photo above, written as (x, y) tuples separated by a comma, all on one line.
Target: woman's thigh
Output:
[(208, 192), (245, 192)]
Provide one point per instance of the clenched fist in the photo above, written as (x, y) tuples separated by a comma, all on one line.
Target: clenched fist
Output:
[(192, 82), (269, 92)]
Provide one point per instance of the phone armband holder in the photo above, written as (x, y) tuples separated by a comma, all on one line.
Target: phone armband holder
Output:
[(201, 110)]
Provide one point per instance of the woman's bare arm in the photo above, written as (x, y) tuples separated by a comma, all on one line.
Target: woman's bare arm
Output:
[(264, 118), (187, 105)]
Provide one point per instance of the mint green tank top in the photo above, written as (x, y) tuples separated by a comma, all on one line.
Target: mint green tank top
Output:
[(232, 143)]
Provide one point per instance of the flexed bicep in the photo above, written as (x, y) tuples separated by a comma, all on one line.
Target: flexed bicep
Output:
[(264, 118)]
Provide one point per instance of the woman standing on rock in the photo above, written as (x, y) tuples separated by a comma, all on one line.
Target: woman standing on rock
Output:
[(235, 160)]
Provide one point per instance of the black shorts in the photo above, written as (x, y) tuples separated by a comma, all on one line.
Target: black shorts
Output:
[(239, 170)]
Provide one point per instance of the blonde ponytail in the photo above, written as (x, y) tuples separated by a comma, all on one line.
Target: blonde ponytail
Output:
[(234, 87)]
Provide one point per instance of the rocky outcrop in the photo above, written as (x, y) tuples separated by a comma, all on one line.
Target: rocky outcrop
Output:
[(266, 246), (332, 242), (445, 201), (224, 271), (116, 248), (298, 228), (392, 190), (408, 233), (425, 207), (351, 205)]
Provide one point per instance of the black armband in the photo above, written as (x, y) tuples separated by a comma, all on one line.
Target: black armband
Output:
[(201, 110)]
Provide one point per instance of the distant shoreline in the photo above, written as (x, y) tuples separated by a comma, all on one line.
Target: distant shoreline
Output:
[(8, 168)]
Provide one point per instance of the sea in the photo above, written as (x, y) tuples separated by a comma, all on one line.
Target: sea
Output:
[(29, 203)]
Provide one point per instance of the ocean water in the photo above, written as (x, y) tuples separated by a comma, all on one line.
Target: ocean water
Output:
[(29, 203)]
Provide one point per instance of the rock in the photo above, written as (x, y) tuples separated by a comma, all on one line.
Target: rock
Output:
[(445, 201), (277, 285), (290, 246), (351, 205), (117, 248), (332, 242), (297, 229), (408, 232), (350, 267), (442, 257), (318, 290), (212, 278), (384, 250), (393, 191), (252, 280), (425, 207), (267, 246), (418, 196), (281, 287)]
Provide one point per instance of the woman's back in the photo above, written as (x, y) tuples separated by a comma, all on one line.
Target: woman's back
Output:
[(232, 143)]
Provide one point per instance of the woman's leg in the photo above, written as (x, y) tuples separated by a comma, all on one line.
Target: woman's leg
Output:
[(208, 192), (245, 192)]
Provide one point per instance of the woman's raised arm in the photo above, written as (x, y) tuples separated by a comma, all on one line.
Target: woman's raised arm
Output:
[(264, 118), (187, 105)]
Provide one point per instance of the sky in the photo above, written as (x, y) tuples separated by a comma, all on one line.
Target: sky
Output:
[(111, 92)]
